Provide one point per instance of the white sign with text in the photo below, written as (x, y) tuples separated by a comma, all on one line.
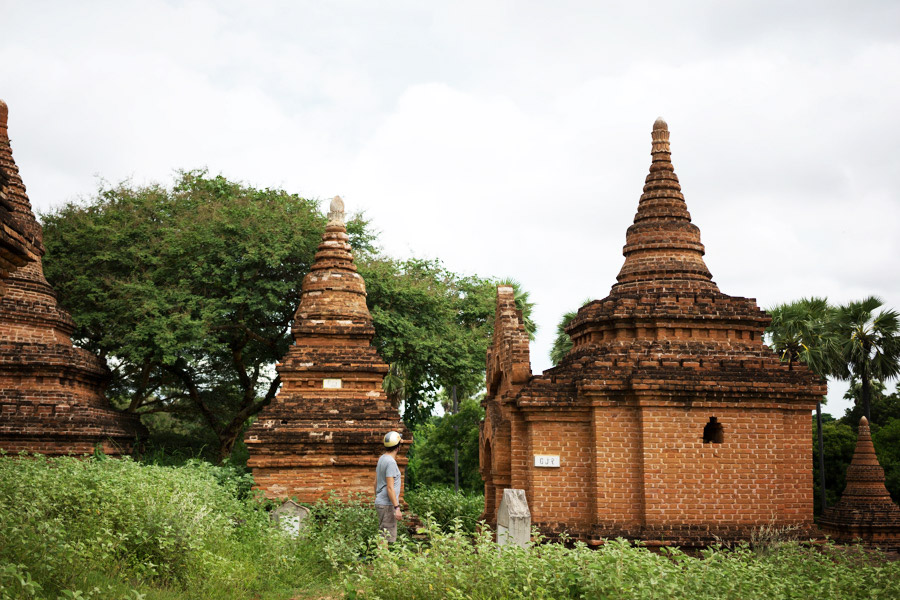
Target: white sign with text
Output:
[(331, 384), (546, 460)]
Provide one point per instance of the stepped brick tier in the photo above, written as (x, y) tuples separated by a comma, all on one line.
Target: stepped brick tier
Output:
[(19, 244), (865, 511), (669, 420), (324, 430), (51, 393)]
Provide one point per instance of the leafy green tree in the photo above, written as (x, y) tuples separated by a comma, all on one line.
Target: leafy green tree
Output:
[(839, 443), (803, 331), (884, 407), (870, 345), (562, 343), (886, 440), (431, 456), (188, 293), (432, 326)]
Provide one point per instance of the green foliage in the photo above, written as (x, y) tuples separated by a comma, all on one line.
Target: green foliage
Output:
[(433, 326), (883, 406), (870, 345), (451, 566), (562, 343), (803, 331), (447, 508), (839, 441), (187, 291), (887, 445), (69, 525), (431, 456), (341, 532)]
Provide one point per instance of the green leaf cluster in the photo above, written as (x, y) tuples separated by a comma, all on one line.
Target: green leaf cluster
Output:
[(432, 453)]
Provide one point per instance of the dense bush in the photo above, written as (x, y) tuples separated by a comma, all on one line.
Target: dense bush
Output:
[(70, 524), (451, 566), (444, 505), (431, 455)]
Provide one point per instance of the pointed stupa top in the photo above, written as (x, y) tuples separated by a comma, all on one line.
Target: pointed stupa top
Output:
[(865, 477), (333, 301), (663, 249), (14, 189)]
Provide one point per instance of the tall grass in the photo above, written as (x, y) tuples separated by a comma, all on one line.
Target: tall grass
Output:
[(453, 565)]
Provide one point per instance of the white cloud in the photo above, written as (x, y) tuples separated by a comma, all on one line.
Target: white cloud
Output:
[(507, 138)]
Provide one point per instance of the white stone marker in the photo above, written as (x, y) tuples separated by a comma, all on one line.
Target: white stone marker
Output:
[(513, 519), (290, 517)]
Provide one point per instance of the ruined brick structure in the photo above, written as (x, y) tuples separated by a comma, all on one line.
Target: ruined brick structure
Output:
[(324, 430), (671, 421), (865, 511), (51, 393), (18, 245)]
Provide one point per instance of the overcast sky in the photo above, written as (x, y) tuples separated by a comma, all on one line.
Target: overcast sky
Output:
[(509, 139)]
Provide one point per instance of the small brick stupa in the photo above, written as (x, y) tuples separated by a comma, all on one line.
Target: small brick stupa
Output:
[(669, 421), (51, 393), (865, 511), (324, 430)]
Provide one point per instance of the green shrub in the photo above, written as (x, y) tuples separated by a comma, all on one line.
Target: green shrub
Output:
[(65, 522), (444, 506), (452, 565)]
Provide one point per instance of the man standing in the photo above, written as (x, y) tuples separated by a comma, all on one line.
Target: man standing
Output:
[(387, 487)]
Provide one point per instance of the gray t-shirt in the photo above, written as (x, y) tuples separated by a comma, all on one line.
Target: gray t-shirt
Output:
[(387, 467)]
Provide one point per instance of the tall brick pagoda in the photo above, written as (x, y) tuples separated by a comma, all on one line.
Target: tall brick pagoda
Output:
[(324, 430), (669, 420), (51, 393), (18, 245), (865, 511)]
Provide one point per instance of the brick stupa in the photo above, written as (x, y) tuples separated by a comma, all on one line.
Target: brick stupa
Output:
[(51, 393), (324, 430), (19, 245), (669, 421), (865, 511)]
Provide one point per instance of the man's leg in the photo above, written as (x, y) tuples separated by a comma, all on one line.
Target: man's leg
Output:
[(387, 522)]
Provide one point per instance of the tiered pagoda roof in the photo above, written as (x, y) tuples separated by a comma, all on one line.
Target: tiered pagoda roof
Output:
[(51, 393)]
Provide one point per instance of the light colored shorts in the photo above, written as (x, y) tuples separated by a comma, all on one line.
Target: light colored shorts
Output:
[(387, 522)]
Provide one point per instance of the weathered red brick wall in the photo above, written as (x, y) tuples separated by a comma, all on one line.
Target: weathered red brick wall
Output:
[(625, 411)]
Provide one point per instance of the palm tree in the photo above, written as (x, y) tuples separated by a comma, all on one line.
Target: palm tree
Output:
[(563, 343), (803, 331), (870, 345)]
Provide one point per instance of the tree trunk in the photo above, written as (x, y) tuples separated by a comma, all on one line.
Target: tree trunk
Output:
[(866, 392), (823, 501)]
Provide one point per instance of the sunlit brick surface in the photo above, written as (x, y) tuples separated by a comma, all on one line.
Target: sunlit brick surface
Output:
[(626, 410)]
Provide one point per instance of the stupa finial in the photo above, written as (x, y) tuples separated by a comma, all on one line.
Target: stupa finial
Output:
[(336, 212)]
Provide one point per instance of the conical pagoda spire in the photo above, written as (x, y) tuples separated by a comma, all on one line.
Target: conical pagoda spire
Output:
[(333, 301), (865, 477), (51, 393), (323, 431), (19, 235), (663, 249), (865, 511)]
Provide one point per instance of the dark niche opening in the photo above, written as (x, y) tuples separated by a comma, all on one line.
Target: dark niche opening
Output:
[(713, 432)]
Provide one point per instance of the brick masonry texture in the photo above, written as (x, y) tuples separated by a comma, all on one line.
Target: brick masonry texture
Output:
[(865, 511), (324, 430), (627, 410), (19, 243), (51, 393)]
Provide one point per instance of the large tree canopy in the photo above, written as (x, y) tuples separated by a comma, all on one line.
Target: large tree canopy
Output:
[(189, 291)]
